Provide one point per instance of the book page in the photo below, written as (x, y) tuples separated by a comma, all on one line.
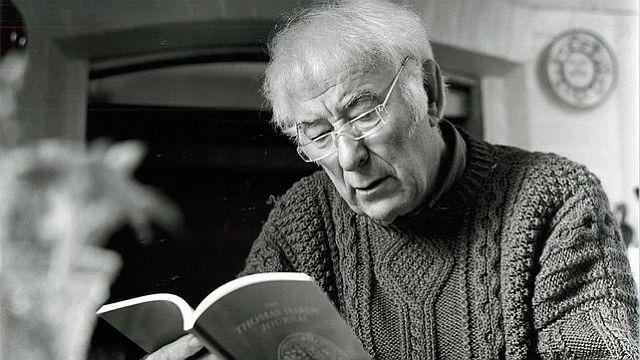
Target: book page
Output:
[(242, 282), (150, 321)]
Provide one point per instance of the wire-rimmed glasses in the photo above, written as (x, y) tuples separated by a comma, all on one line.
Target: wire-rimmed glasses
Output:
[(319, 141)]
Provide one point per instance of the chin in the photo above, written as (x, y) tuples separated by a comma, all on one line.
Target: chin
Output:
[(382, 213)]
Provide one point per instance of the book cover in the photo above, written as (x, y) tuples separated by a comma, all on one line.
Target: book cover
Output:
[(283, 316)]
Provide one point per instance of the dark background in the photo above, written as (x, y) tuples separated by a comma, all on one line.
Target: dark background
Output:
[(224, 169)]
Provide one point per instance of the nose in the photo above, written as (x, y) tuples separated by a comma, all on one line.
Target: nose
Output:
[(352, 154)]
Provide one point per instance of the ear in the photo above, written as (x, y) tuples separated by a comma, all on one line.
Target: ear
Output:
[(434, 86)]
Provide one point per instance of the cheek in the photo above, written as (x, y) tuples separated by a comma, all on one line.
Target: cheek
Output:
[(407, 154), (347, 193), (335, 174), (396, 132), (397, 149), (397, 135)]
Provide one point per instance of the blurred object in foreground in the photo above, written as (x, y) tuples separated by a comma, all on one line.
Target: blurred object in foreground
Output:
[(13, 33), (620, 214), (12, 67), (57, 202)]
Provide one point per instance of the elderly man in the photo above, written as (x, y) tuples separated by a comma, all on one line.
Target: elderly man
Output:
[(431, 243)]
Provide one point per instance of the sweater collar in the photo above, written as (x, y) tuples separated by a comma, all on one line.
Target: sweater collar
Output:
[(457, 152), (480, 162)]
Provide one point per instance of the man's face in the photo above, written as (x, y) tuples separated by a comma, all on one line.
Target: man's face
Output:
[(389, 173)]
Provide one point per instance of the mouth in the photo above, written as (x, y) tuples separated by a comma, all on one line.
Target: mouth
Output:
[(371, 186)]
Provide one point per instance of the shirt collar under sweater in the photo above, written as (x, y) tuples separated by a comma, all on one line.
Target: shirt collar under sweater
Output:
[(471, 163), (457, 149)]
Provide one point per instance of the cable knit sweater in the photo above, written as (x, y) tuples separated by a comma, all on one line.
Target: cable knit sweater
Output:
[(520, 259)]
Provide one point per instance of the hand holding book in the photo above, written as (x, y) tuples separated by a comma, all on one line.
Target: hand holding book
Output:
[(283, 316), (180, 349)]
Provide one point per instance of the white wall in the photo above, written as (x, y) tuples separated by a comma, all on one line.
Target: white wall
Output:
[(518, 107), (604, 138)]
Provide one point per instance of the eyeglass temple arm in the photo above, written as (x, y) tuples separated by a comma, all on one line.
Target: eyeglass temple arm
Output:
[(395, 80)]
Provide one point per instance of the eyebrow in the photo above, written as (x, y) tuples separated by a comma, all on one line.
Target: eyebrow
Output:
[(359, 95), (307, 122)]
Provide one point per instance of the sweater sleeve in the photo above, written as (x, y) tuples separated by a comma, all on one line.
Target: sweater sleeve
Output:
[(584, 302), (266, 255)]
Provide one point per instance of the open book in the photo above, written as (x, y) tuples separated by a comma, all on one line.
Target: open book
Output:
[(262, 316)]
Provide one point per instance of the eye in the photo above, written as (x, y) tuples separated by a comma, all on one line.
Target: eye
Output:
[(370, 116), (362, 103), (366, 121), (315, 130), (322, 141)]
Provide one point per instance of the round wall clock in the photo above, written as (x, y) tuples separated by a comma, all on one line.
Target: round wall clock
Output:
[(580, 68)]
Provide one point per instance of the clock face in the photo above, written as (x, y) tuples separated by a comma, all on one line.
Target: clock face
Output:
[(580, 69)]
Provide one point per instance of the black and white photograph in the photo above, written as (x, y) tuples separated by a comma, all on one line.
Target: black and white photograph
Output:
[(319, 179)]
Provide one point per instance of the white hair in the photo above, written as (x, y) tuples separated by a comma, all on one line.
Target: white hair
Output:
[(338, 35)]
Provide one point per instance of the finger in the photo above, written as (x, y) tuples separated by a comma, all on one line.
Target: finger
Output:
[(209, 357), (177, 350), (212, 356)]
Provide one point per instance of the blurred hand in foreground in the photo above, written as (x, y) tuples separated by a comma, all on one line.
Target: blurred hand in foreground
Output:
[(180, 349)]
